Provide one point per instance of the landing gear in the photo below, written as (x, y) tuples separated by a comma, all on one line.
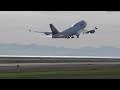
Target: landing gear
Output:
[(72, 37), (67, 37), (77, 36)]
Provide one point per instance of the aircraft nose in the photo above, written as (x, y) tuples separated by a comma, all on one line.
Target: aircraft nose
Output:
[(84, 22)]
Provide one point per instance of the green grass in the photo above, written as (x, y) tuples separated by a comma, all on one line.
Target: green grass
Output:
[(87, 74)]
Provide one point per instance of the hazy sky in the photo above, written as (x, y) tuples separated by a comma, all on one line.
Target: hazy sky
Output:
[(14, 26)]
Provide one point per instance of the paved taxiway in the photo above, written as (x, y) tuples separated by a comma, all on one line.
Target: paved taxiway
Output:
[(60, 64)]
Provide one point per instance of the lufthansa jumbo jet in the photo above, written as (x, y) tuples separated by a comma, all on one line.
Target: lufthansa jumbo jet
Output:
[(75, 29)]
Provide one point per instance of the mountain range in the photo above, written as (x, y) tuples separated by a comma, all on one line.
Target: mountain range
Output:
[(44, 50)]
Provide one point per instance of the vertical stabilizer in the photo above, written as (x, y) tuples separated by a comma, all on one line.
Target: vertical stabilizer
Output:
[(53, 29)]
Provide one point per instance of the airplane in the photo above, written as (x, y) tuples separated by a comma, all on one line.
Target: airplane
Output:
[(75, 29)]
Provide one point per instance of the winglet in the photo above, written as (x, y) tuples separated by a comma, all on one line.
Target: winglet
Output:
[(29, 30), (96, 28)]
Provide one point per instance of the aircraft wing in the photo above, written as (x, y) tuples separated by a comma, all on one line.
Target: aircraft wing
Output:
[(46, 33), (90, 31), (84, 31)]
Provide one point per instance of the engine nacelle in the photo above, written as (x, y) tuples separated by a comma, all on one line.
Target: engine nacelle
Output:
[(47, 34), (92, 31)]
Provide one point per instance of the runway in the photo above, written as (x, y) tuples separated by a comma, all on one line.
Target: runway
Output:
[(64, 70), (56, 59), (61, 64), (59, 67)]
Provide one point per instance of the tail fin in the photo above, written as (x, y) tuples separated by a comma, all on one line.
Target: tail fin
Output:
[(53, 29)]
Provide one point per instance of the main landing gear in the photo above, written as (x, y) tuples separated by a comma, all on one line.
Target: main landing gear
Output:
[(77, 36), (72, 36)]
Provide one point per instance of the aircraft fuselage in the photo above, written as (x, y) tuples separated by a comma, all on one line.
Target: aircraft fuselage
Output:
[(73, 30)]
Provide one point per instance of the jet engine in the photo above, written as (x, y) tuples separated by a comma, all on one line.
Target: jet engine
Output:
[(92, 31), (47, 34)]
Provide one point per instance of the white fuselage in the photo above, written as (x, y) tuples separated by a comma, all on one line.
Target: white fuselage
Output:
[(73, 30)]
